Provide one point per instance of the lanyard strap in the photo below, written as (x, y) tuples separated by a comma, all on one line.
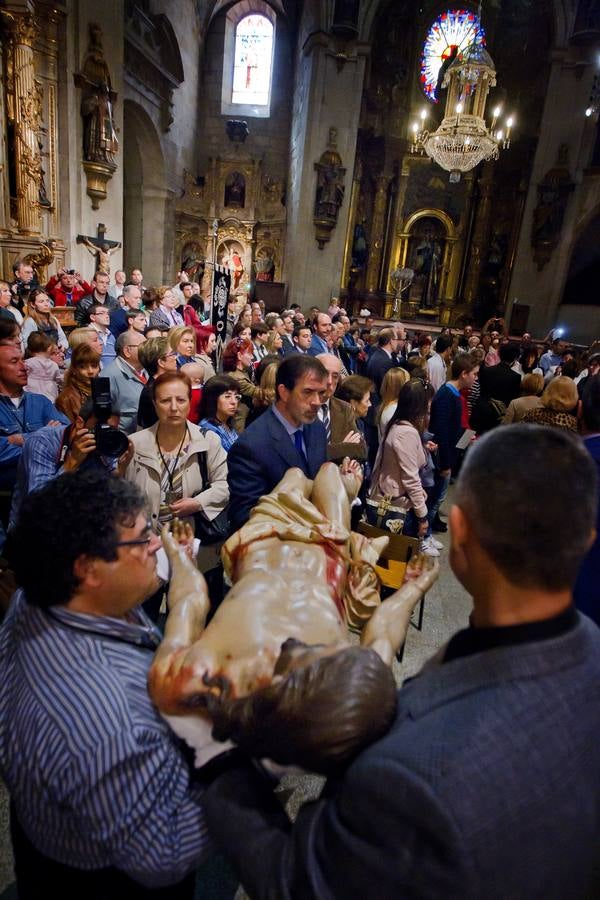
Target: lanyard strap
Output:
[(171, 472)]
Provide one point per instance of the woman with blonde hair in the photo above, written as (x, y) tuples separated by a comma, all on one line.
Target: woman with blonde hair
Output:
[(559, 402), (39, 318), (393, 382), (182, 340), (274, 342), (532, 386)]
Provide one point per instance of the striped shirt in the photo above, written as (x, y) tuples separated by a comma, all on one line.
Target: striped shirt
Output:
[(97, 777)]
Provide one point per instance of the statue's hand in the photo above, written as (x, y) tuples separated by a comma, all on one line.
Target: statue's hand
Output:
[(352, 477), (186, 580)]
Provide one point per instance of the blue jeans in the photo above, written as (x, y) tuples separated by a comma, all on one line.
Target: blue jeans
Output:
[(437, 496)]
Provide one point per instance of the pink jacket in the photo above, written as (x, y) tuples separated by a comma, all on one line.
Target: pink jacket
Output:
[(43, 377), (397, 467)]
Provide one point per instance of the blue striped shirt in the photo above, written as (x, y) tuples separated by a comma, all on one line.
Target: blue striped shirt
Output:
[(97, 777)]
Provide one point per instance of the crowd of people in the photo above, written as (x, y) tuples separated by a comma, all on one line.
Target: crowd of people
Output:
[(152, 418)]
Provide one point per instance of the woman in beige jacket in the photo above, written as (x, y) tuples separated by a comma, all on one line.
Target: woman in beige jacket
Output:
[(165, 464)]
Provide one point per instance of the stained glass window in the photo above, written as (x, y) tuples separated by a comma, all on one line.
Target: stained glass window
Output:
[(450, 35), (252, 61)]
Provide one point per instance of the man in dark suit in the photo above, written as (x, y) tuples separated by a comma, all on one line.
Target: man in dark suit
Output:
[(501, 382), (301, 340), (321, 334), (487, 783), (286, 435), (382, 358), (343, 437)]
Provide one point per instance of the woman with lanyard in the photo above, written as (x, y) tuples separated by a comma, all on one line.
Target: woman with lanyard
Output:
[(166, 313), (165, 464), (38, 318)]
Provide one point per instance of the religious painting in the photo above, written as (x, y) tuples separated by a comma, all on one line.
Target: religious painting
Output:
[(425, 256), (253, 61), (230, 254), (449, 36), (426, 189), (235, 190)]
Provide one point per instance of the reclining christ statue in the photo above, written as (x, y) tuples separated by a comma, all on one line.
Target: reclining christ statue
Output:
[(275, 671)]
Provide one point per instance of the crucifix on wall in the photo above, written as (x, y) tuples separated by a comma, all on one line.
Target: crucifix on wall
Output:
[(100, 248)]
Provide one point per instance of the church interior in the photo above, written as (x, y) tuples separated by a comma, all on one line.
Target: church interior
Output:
[(433, 163), (307, 153)]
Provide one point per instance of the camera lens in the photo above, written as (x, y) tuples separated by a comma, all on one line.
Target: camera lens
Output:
[(110, 441)]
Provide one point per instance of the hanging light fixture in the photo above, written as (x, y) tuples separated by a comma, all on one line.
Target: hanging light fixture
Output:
[(463, 138)]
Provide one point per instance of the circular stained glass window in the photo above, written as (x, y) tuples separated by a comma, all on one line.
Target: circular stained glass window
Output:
[(450, 35)]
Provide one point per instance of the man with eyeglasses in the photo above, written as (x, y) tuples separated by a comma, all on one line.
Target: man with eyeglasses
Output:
[(99, 321), (127, 379), (102, 802)]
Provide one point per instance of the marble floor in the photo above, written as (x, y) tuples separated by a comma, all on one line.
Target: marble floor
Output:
[(447, 608)]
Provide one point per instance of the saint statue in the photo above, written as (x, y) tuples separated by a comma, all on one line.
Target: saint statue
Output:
[(99, 138), (427, 268)]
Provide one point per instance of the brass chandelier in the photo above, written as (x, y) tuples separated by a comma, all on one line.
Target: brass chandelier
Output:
[(463, 138)]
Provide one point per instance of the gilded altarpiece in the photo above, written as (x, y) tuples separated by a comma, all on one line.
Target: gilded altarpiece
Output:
[(30, 207), (236, 212)]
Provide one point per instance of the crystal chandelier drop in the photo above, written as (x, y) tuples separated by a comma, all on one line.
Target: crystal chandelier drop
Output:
[(463, 138)]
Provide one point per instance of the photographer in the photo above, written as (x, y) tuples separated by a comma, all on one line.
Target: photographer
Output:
[(25, 281), (495, 323), (67, 287), (53, 451)]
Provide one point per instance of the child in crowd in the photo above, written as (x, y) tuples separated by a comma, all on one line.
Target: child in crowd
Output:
[(195, 372), (43, 373)]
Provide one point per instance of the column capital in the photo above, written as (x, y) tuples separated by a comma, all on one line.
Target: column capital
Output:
[(20, 25)]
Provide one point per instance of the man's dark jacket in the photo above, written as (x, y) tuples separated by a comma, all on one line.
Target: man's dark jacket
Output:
[(260, 458), (499, 383), (486, 786)]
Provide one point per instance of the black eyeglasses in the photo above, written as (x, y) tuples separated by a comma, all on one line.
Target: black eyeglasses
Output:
[(137, 543)]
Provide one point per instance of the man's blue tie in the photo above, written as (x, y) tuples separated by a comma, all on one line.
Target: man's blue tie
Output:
[(300, 448)]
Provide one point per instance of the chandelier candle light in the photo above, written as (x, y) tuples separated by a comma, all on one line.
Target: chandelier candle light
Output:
[(463, 138)]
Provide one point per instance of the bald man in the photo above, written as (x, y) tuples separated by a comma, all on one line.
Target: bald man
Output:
[(343, 437)]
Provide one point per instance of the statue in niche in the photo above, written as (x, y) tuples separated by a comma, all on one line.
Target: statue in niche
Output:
[(360, 248), (235, 190), (100, 142), (548, 216), (426, 261), (330, 190), (193, 262)]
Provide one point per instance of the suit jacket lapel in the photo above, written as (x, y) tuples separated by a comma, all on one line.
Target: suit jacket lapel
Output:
[(283, 444)]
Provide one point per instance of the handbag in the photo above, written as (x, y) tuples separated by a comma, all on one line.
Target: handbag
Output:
[(209, 531), (382, 513)]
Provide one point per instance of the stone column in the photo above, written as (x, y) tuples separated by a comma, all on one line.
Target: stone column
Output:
[(377, 235), (20, 28), (327, 94), (481, 231)]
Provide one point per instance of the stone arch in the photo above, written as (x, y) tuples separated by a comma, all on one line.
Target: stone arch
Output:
[(584, 263), (439, 214), (145, 195)]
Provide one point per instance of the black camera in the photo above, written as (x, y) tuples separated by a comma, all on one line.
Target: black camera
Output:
[(109, 440), (70, 272)]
